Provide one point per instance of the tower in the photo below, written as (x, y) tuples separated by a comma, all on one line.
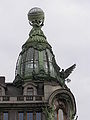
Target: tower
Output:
[(39, 91)]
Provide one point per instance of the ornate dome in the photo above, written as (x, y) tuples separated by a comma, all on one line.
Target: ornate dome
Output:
[(36, 60)]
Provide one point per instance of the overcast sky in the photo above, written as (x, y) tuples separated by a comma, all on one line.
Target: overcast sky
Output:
[(67, 27)]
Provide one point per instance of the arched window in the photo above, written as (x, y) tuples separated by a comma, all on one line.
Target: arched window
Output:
[(30, 91), (59, 114), (59, 110)]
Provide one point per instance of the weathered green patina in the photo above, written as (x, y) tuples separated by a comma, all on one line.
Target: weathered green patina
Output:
[(36, 60), (49, 112)]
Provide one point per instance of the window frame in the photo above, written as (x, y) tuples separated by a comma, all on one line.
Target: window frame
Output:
[(59, 112), (19, 113), (29, 112), (30, 89), (60, 105), (7, 116), (34, 114)]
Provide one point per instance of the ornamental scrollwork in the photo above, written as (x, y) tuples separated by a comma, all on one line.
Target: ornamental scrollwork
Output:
[(49, 112)]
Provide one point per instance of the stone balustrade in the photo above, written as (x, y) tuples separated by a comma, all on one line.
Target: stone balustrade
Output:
[(18, 99)]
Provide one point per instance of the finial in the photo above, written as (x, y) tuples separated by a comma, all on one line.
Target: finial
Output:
[(36, 17)]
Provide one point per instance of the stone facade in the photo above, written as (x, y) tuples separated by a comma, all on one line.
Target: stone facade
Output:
[(15, 100)]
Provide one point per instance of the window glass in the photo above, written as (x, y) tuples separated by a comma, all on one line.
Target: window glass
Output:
[(20, 116), (28, 68), (38, 116), (29, 65), (51, 68), (29, 91), (45, 66), (60, 112), (44, 55), (43, 60), (29, 56), (23, 58), (29, 116), (36, 55), (49, 55), (36, 64), (59, 115), (5, 116)]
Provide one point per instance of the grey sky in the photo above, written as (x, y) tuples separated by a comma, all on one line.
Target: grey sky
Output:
[(67, 27)]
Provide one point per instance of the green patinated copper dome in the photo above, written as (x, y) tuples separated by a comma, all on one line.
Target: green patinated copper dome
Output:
[(36, 60)]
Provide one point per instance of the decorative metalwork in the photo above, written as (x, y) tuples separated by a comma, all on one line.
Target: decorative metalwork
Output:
[(36, 17), (65, 73), (29, 66), (49, 113)]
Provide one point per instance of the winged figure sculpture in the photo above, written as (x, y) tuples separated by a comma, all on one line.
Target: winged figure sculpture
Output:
[(65, 73)]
